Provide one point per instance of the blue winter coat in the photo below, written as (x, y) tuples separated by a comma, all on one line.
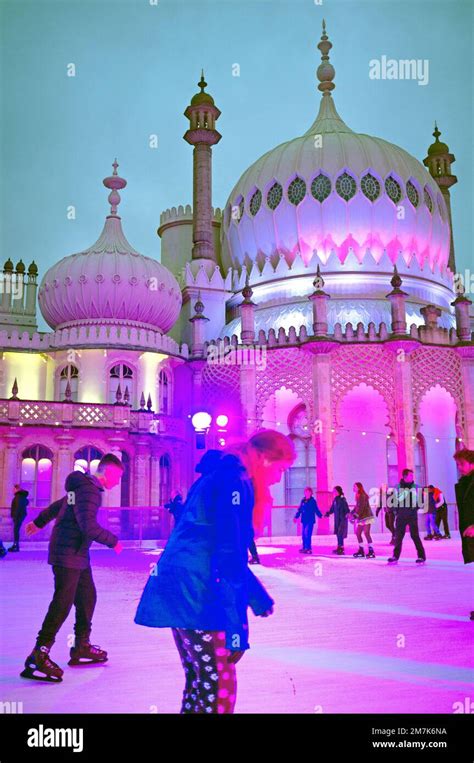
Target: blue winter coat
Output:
[(202, 579), (308, 511)]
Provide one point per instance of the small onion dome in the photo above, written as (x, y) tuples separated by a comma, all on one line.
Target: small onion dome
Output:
[(202, 97), (33, 269), (437, 147), (110, 283), (20, 268), (8, 267)]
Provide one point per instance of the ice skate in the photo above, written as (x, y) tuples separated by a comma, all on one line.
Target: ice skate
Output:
[(39, 667), (86, 653), (359, 554), (370, 553)]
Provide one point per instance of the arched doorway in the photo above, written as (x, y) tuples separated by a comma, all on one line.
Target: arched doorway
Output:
[(437, 417)]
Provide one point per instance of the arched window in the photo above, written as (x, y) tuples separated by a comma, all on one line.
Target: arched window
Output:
[(165, 479), (87, 459), (69, 375), (122, 375), (302, 473), (420, 460), (392, 463), (37, 474), (164, 392)]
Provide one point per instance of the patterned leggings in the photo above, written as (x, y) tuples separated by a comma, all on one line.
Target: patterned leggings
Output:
[(211, 683)]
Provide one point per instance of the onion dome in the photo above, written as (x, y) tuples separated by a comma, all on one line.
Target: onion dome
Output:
[(33, 269), (202, 97), (8, 267), (110, 283), (333, 190), (20, 268), (437, 147)]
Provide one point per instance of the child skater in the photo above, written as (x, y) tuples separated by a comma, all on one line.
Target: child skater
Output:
[(340, 509), (363, 518), (308, 511), (75, 529), (202, 585)]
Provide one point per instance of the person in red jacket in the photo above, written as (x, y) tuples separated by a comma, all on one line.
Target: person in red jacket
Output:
[(75, 529)]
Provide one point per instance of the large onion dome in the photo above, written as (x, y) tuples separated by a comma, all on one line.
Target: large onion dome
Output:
[(110, 283), (336, 190)]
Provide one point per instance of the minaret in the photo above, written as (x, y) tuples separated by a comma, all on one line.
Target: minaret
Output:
[(202, 114), (439, 162)]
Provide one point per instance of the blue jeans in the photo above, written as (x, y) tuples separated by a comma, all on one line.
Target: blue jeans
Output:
[(340, 539), (431, 526), (306, 535)]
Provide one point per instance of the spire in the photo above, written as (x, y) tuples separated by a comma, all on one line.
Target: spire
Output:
[(115, 183), (328, 120), (438, 161)]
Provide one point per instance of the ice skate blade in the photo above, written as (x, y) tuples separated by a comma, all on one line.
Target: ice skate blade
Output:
[(84, 661), (28, 673)]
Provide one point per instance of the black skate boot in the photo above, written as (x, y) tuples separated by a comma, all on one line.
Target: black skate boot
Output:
[(85, 653), (340, 551), (255, 559), (370, 554), (392, 560), (39, 662), (359, 554), (15, 547)]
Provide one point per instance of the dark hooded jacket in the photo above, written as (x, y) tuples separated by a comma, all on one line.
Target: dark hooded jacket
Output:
[(76, 524), (465, 501), (202, 580), (19, 504)]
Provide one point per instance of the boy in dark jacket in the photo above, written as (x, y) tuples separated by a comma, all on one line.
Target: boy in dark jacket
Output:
[(18, 514), (308, 511), (75, 529), (406, 500), (465, 501)]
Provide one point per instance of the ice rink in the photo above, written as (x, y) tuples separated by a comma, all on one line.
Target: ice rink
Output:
[(347, 636)]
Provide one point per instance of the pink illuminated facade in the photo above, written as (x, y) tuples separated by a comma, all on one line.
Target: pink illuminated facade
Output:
[(321, 302)]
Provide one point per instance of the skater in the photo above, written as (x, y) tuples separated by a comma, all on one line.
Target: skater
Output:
[(432, 529), (388, 514), (406, 502), (363, 517), (340, 509), (441, 512), (175, 507), (465, 501), (308, 511), (75, 529), (202, 585), (18, 513)]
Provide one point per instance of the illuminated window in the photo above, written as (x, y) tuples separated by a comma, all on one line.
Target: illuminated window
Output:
[(37, 474), (420, 460), (393, 189), (321, 188), (122, 375), (274, 195), (297, 191), (392, 463), (87, 459), (346, 186), (69, 375), (302, 473), (370, 187), (164, 392)]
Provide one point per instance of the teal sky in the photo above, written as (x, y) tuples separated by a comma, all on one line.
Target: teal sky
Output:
[(137, 66)]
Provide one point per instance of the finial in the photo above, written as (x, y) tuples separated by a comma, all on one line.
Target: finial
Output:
[(325, 72), (247, 291), (318, 282), (436, 132), (14, 390), (126, 396), (142, 402), (202, 82), (114, 182), (396, 279), (148, 402), (67, 393), (118, 396), (199, 306)]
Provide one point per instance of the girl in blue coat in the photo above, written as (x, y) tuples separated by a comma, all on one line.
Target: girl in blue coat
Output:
[(202, 585)]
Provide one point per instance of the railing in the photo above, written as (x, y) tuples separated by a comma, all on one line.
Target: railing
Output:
[(143, 523), (97, 415)]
